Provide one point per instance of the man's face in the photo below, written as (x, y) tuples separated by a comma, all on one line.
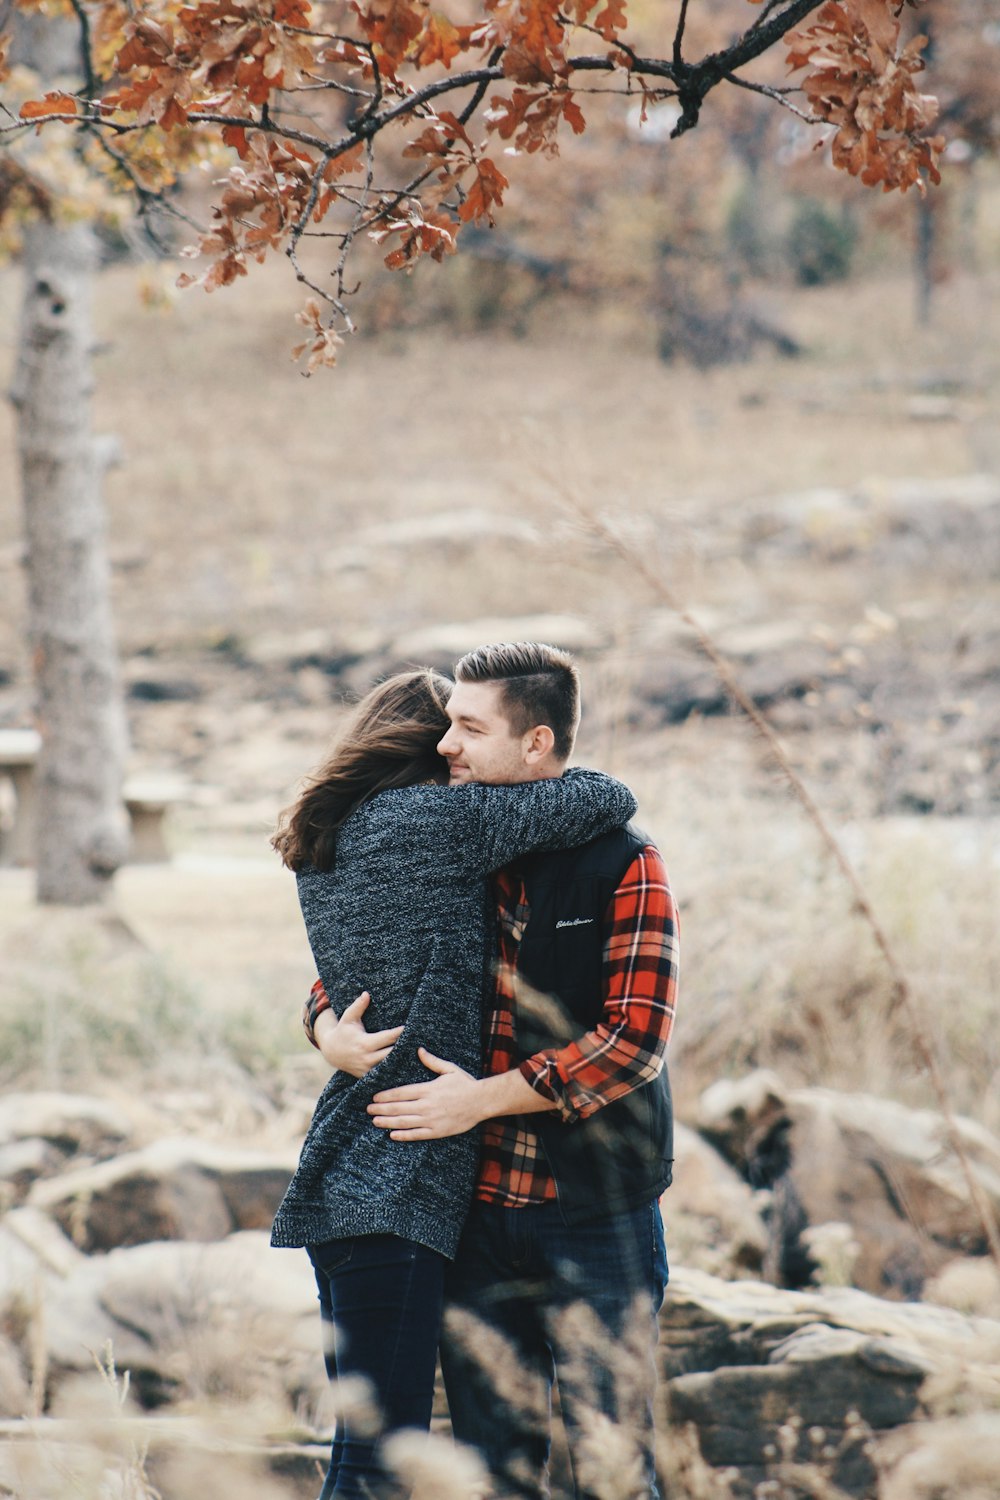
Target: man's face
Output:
[(480, 745)]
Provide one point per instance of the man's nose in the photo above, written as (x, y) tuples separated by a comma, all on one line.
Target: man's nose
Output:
[(445, 743)]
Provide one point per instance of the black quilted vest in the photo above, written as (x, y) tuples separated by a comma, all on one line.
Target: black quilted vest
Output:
[(621, 1157)]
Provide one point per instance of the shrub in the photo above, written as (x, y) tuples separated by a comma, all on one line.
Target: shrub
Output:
[(820, 244)]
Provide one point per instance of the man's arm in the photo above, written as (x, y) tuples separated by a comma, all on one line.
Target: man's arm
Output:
[(453, 1102), (624, 1050), (641, 959)]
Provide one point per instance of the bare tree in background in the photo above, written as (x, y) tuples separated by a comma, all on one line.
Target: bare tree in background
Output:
[(82, 825)]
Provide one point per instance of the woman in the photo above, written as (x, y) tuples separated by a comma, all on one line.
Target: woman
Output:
[(391, 866)]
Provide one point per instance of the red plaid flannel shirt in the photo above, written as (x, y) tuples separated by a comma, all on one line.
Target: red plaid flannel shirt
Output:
[(624, 1050), (626, 1047)]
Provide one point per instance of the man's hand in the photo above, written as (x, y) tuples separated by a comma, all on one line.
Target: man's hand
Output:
[(450, 1104), (346, 1045)]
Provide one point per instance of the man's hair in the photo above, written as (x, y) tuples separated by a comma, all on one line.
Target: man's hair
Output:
[(539, 683)]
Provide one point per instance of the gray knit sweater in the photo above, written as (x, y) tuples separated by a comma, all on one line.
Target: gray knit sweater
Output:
[(407, 914)]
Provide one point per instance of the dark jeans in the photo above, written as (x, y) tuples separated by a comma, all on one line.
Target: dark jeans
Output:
[(380, 1297), (529, 1300)]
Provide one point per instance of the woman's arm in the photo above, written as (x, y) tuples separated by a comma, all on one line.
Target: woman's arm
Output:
[(558, 812)]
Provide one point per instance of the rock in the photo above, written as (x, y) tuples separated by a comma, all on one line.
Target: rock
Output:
[(934, 409), (710, 1214), (758, 1372), (708, 1323), (15, 1392), (174, 1189), (676, 689), (32, 1246), (147, 689), (35, 1257), (234, 1318), (20, 1163), (885, 1170), (467, 526), (74, 1123), (738, 1114)]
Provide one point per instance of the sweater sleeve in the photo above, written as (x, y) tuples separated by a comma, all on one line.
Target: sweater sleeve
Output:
[(556, 813)]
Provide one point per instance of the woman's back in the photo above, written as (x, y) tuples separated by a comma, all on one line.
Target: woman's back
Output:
[(406, 914)]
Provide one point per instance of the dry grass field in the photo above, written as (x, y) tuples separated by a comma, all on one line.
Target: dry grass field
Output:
[(266, 530), (275, 542)]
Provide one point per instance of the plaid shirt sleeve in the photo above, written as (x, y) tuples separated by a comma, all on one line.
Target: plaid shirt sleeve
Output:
[(317, 1001), (625, 1049)]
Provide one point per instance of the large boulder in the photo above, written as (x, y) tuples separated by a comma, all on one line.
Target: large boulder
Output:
[(232, 1319), (711, 1216), (886, 1171), (40, 1131), (176, 1189), (34, 1254), (760, 1374)]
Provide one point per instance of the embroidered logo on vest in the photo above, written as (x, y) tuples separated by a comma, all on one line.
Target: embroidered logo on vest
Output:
[(576, 922)]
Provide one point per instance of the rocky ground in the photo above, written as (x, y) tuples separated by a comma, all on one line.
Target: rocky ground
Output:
[(127, 1247)]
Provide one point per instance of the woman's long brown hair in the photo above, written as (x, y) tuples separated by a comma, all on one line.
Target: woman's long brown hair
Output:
[(390, 742)]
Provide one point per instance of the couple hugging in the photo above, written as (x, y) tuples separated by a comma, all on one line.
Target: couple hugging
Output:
[(497, 957)]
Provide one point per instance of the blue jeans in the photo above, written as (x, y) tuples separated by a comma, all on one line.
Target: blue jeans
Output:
[(530, 1300), (380, 1297)]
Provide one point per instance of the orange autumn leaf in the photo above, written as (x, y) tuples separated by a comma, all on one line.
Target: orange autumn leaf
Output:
[(485, 193), (440, 42), (612, 20), (864, 87), (391, 25), (51, 104)]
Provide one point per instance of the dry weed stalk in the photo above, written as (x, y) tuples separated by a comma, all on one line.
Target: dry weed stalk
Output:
[(432, 1468), (956, 1459), (904, 997), (38, 1348), (687, 1472), (791, 1477), (608, 1454), (508, 1377), (129, 1480)]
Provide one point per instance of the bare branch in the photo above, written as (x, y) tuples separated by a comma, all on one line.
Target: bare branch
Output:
[(779, 95), (679, 36)]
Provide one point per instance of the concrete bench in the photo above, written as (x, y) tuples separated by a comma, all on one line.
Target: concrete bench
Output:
[(147, 799), (18, 753)]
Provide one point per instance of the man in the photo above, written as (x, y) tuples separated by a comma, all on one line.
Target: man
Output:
[(561, 1268)]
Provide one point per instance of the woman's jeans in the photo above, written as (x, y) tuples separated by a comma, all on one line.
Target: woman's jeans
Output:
[(381, 1299)]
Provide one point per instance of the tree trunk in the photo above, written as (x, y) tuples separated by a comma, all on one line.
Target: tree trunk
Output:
[(924, 260), (82, 825)]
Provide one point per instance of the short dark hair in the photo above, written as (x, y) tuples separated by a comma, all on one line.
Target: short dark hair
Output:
[(540, 685)]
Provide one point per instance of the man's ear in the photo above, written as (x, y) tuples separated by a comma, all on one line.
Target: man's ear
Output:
[(538, 744)]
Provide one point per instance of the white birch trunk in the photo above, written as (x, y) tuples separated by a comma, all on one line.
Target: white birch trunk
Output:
[(82, 825)]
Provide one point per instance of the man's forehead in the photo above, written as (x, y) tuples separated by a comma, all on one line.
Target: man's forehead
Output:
[(476, 700)]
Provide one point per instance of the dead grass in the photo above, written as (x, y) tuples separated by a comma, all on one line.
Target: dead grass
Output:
[(242, 482)]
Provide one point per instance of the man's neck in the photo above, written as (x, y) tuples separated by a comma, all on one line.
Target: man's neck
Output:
[(548, 770)]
